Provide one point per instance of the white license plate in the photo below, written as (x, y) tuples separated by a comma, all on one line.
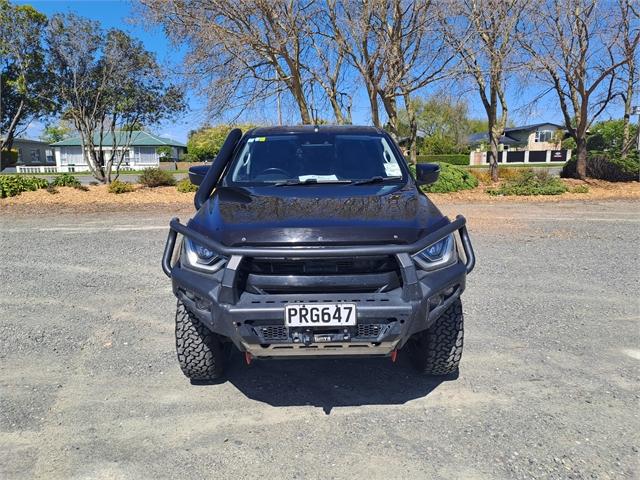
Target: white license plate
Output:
[(320, 315)]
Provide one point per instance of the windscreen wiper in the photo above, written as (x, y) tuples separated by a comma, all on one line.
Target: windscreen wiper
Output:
[(309, 181), (377, 179)]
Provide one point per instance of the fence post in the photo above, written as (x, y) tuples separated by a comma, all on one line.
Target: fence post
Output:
[(548, 157), (526, 156)]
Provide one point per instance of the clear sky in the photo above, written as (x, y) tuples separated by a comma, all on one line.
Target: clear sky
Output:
[(121, 14)]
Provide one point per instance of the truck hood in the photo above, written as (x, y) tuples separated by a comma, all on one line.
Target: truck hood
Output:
[(317, 214)]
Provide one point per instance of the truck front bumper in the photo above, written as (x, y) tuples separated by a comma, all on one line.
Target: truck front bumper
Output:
[(255, 322)]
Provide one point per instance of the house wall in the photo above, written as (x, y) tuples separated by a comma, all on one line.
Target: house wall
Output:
[(32, 153), (70, 159), (533, 145)]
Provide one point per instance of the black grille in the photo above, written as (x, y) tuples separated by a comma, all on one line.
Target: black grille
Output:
[(321, 266), (272, 332), (370, 329)]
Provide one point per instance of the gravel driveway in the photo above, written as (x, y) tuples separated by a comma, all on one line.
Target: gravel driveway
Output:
[(90, 387)]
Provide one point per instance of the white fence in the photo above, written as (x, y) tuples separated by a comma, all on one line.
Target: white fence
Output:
[(523, 156), (75, 168)]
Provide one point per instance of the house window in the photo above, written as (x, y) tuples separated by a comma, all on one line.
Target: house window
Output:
[(544, 136), (35, 155)]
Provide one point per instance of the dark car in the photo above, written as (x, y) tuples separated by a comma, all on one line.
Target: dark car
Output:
[(315, 242)]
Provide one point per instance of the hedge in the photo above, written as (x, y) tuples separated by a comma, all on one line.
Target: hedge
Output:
[(452, 158), (612, 169)]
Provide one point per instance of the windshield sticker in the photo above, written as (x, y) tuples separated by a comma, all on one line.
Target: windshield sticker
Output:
[(320, 178)]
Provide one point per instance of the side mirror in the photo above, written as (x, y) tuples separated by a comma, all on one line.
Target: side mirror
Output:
[(427, 173), (197, 174)]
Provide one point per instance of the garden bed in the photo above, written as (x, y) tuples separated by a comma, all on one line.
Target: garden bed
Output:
[(97, 198)]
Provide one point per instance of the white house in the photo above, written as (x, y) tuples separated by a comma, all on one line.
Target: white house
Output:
[(142, 152)]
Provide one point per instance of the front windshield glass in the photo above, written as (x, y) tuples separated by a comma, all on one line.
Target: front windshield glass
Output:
[(314, 158)]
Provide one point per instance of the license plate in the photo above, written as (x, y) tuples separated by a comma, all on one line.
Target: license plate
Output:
[(322, 315)]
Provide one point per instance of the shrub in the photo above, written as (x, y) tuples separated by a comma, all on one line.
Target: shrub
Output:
[(185, 186), (612, 169), (453, 159), (154, 177), (118, 187), (580, 189), (84, 188), (51, 188), (452, 179), (11, 185), (66, 180), (529, 182)]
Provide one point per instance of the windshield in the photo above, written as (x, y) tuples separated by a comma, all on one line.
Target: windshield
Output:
[(291, 159)]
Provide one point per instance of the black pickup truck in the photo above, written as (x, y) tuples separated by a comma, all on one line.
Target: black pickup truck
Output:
[(316, 241)]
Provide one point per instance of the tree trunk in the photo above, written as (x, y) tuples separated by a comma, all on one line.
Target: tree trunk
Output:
[(581, 155), (413, 130), (627, 141), (493, 156), (337, 111), (373, 103)]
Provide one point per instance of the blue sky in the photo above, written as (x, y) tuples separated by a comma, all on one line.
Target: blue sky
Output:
[(120, 13)]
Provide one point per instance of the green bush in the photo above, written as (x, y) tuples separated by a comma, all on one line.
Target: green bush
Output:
[(453, 159), (118, 187), (154, 177), (11, 185), (605, 167), (185, 186), (529, 182), (66, 180), (451, 179)]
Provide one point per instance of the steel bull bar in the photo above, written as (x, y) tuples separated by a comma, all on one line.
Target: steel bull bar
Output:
[(400, 251)]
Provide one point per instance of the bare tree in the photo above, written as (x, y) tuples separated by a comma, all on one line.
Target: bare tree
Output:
[(242, 52), (395, 49), (331, 68), (353, 30), (415, 56), (630, 29), (482, 32), (574, 51)]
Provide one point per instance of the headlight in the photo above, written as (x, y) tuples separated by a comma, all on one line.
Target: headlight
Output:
[(437, 255), (201, 258)]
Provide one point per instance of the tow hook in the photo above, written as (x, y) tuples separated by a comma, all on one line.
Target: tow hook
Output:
[(307, 338), (248, 358), (394, 356)]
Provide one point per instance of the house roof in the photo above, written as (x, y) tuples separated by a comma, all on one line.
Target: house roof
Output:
[(26, 140), (138, 139), (505, 139), (336, 129), (533, 126)]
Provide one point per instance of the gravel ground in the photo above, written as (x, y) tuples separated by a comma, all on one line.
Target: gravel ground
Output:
[(90, 387)]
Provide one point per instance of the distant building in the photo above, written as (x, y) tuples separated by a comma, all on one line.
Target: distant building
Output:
[(142, 152), (536, 143), (539, 136), (29, 153)]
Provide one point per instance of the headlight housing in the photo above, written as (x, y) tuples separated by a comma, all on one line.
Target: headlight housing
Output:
[(437, 255), (201, 258)]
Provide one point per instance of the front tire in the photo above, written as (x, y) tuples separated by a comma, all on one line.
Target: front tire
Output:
[(438, 350), (200, 351)]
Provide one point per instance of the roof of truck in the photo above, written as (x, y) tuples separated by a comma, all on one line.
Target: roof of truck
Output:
[(344, 129)]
